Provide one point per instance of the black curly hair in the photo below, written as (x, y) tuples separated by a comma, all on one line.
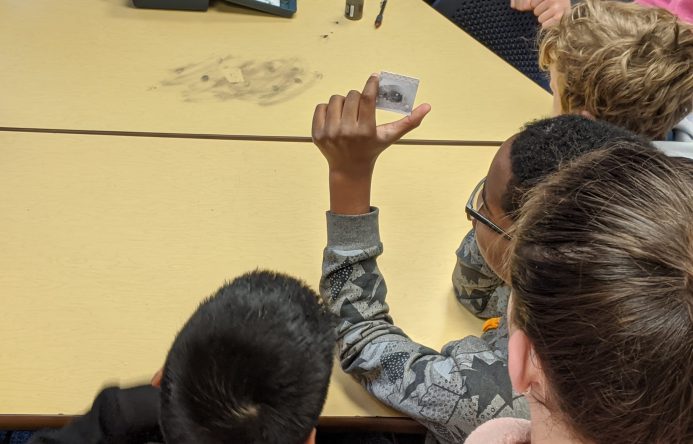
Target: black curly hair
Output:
[(544, 145)]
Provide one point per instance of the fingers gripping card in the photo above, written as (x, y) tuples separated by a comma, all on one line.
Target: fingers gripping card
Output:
[(396, 93)]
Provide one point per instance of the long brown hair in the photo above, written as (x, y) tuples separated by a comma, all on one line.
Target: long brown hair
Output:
[(602, 276)]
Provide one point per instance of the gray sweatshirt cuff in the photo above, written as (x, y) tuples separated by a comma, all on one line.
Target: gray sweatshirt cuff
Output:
[(353, 232)]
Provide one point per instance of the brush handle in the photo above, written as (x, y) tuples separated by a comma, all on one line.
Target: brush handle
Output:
[(379, 18)]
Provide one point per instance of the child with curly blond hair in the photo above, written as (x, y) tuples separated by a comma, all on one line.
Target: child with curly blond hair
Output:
[(624, 63)]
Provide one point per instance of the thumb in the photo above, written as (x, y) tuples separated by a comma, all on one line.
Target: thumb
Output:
[(389, 133)]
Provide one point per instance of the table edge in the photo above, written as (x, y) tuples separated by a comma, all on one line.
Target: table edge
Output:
[(242, 137), (326, 423)]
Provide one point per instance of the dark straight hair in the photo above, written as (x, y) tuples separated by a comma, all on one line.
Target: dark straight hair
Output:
[(251, 365)]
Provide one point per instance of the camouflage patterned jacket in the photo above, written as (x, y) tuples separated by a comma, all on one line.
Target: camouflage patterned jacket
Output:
[(450, 392), (481, 291)]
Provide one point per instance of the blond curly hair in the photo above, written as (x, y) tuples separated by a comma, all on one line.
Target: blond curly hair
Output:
[(624, 63)]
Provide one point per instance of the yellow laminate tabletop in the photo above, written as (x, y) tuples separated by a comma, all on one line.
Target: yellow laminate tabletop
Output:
[(109, 243), (103, 65)]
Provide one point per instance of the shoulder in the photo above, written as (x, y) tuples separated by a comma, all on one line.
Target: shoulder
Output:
[(502, 431)]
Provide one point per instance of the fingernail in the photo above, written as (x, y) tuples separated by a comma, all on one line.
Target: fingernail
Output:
[(375, 74)]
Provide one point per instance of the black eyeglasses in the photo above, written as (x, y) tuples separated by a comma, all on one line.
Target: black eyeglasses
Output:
[(473, 213)]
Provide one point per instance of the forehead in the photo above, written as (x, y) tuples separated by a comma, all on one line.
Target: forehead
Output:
[(499, 174)]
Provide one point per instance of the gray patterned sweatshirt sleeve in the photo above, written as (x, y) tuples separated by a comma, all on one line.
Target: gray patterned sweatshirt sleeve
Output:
[(450, 392), (477, 287)]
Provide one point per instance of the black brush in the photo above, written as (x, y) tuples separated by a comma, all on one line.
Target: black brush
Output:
[(379, 18)]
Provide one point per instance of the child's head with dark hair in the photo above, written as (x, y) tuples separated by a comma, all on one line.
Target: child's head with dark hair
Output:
[(526, 159), (544, 145), (601, 311), (251, 365)]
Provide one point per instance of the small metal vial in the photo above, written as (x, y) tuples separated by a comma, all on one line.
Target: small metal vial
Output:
[(354, 9)]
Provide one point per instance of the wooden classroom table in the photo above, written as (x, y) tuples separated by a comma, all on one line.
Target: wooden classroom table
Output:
[(104, 66), (109, 243)]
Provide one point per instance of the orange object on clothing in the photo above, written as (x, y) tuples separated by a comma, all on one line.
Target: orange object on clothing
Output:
[(490, 324)]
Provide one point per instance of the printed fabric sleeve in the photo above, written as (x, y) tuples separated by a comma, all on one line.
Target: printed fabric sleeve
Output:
[(477, 287), (450, 392)]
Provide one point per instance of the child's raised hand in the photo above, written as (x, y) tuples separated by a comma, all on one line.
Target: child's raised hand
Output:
[(549, 12), (523, 5), (346, 133)]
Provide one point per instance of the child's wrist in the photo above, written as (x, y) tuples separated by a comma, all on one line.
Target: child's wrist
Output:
[(350, 194), (351, 175)]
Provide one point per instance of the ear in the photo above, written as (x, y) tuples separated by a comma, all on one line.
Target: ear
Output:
[(311, 438), (586, 114), (523, 365)]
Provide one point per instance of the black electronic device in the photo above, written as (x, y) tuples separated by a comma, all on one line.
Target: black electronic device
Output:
[(284, 8)]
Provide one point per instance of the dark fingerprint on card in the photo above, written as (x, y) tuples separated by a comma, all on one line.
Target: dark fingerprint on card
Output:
[(220, 79)]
